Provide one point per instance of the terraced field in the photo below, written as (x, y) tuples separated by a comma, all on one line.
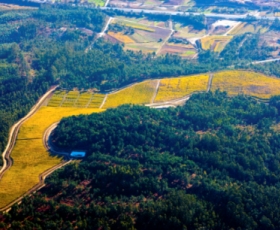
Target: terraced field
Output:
[(96, 101), (248, 28), (141, 93), (57, 98), (215, 43), (174, 88), (249, 83), (30, 158), (76, 99)]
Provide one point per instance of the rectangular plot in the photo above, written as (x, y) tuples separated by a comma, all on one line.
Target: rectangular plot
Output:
[(245, 82), (141, 93), (175, 88)]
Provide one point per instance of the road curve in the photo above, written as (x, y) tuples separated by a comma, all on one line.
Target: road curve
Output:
[(7, 160)]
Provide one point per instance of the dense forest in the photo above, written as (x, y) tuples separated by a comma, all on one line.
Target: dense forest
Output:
[(213, 163)]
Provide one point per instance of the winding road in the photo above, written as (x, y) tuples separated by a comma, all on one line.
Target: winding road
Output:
[(7, 160)]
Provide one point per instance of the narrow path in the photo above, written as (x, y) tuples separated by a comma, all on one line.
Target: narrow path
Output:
[(45, 174), (266, 61), (209, 82), (47, 143), (159, 49), (232, 28), (106, 3), (105, 28), (156, 91), (103, 102), (101, 34), (7, 160)]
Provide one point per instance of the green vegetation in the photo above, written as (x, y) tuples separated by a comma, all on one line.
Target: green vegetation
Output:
[(213, 163)]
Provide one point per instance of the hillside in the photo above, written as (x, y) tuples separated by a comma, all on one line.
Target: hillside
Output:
[(212, 163)]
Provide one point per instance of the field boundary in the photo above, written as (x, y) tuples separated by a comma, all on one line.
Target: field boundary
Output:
[(7, 160)]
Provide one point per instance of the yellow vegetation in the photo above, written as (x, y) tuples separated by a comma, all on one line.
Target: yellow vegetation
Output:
[(248, 28), (135, 26), (174, 88), (140, 93), (29, 155), (207, 42), (84, 99), (121, 37), (76, 99), (96, 101), (243, 82), (57, 98)]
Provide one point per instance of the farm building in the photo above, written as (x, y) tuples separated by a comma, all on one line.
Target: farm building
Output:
[(78, 154)]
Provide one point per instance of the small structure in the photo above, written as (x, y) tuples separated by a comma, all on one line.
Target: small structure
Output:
[(78, 154)]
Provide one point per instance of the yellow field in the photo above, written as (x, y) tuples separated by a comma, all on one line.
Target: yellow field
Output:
[(96, 101), (250, 83), (57, 98), (174, 88), (76, 99), (140, 93), (29, 155), (134, 25), (221, 41), (247, 28), (121, 37), (219, 46), (84, 99)]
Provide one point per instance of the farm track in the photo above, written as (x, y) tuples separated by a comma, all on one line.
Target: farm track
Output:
[(232, 28), (105, 27), (103, 102), (7, 160), (266, 61), (209, 82), (156, 92), (159, 49)]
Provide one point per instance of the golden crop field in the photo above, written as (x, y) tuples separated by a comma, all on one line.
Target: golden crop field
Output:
[(76, 99), (141, 93), (244, 82), (248, 28), (121, 37), (219, 46), (30, 158), (84, 99), (175, 88), (57, 98), (96, 101), (207, 42)]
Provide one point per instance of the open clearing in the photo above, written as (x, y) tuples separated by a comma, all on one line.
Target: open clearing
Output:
[(175, 88), (249, 83), (182, 31), (30, 157), (144, 37), (141, 93)]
